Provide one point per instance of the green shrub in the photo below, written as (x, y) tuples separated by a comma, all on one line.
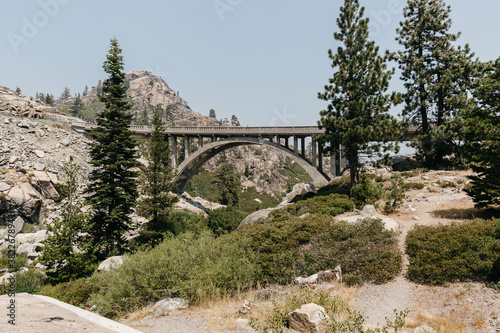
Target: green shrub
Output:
[(458, 252), (4, 170), (333, 204), (193, 267), (367, 192), (304, 246), (75, 292), (30, 282), (340, 186), (224, 220), (20, 260), (365, 251)]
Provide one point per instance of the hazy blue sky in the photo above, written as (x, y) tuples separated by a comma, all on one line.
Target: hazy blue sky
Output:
[(264, 61)]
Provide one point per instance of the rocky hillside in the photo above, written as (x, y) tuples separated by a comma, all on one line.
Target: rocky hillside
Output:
[(16, 104), (147, 92)]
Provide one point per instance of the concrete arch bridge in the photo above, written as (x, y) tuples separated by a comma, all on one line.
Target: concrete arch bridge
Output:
[(203, 143)]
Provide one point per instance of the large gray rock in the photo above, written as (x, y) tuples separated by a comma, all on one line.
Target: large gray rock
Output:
[(4, 186), (369, 210), (250, 219), (310, 318), (110, 263), (17, 195), (30, 248), (43, 183), (301, 191), (167, 305), (16, 226)]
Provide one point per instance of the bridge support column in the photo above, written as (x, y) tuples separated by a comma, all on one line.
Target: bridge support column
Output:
[(320, 156), (286, 141), (200, 141), (303, 146), (314, 154), (173, 141), (187, 142), (296, 145)]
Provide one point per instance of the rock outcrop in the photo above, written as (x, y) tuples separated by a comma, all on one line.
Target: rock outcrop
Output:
[(16, 104), (310, 318)]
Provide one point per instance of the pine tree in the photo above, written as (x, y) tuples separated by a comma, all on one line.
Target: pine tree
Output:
[(49, 99), (76, 107), (357, 117), (112, 189), (227, 182), (235, 121), (65, 94), (66, 252), (482, 130), (85, 91), (156, 180), (438, 76), (211, 113)]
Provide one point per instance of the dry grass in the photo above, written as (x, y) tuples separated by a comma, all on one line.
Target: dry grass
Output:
[(466, 211), (221, 314), (442, 324)]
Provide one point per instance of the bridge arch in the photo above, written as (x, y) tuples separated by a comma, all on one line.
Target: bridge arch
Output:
[(192, 164)]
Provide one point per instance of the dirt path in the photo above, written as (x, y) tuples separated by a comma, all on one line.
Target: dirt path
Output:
[(461, 305)]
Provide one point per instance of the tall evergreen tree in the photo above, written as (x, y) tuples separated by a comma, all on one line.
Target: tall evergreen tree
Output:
[(437, 76), (156, 180), (211, 113), (85, 91), (482, 129), (112, 189), (357, 117)]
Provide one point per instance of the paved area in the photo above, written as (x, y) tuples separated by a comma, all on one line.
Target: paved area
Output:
[(42, 314)]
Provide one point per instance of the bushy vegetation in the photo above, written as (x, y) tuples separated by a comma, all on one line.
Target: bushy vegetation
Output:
[(467, 251), (333, 204), (224, 220), (194, 267), (75, 292), (303, 246), (367, 192)]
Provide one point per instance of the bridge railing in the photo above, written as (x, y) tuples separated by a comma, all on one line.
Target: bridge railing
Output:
[(222, 130)]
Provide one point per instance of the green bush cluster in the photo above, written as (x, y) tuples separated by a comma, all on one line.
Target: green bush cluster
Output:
[(76, 292), (194, 267), (224, 220), (30, 282), (304, 246), (332, 204), (367, 192), (467, 251)]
